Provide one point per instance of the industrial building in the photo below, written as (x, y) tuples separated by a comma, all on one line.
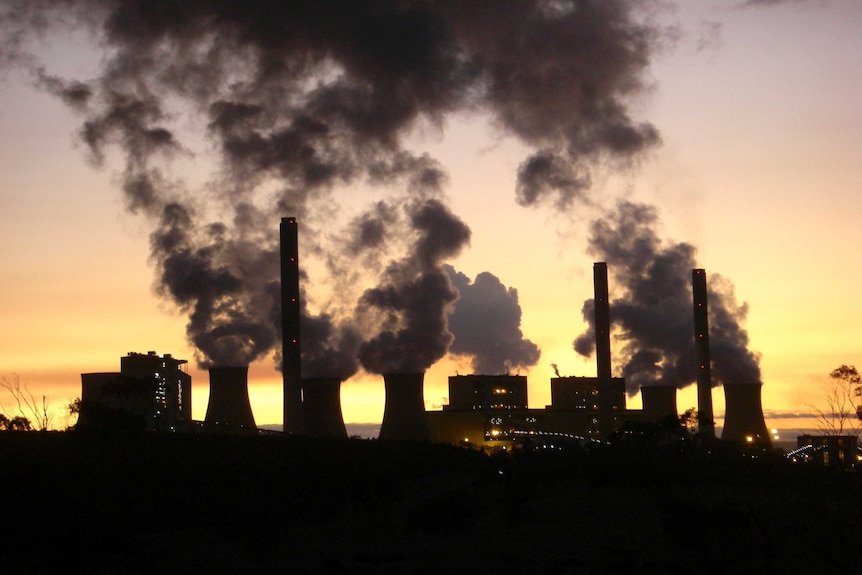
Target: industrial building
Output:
[(829, 450), (490, 412), (150, 391)]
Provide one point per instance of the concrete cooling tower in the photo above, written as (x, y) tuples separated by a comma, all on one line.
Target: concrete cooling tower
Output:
[(743, 415), (321, 407), (228, 402), (404, 413), (659, 402)]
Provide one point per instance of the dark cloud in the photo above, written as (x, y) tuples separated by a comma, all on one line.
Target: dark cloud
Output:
[(651, 315), (486, 323), (412, 303), (300, 100)]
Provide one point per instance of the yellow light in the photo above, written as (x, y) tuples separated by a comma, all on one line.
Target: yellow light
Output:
[(749, 438)]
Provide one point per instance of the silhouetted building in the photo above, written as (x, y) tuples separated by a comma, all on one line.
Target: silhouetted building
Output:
[(321, 407), (705, 416), (743, 415), (290, 326), (149, 392), (404, 412), (487, 392), (659, 402), (829, 450), (229, 407)]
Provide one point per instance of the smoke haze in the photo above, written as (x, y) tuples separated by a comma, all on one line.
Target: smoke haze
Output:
[(651, 317), (486, 324), (298, 101)]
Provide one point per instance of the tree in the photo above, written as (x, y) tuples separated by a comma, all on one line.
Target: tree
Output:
[(74, 409), (842, 399), (689, 420), (17, 423), (27, 407)]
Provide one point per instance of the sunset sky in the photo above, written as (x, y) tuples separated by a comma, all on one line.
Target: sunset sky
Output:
[(759, 167)]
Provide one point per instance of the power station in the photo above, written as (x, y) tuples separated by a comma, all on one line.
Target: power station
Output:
[(484, 410)]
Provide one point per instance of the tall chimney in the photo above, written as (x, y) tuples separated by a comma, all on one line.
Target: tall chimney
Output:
[(659, 402), (705, 418), (228, 402), (602, 321), (404, 414), (321, 407), (743, 415), (290, 337)]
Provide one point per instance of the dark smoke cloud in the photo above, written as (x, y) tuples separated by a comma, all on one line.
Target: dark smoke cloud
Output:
[(414, 299), (652, 320), (486, 323), (300, 100)]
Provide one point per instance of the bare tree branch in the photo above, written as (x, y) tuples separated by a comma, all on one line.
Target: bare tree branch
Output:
[(26, 404), (841, 411)]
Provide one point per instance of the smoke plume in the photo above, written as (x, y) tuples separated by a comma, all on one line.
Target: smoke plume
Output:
[(486, 323), (652, 319), (414, 299), (295, 102)]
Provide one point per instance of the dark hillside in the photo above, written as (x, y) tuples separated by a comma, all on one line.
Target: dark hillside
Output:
[(221, 504)]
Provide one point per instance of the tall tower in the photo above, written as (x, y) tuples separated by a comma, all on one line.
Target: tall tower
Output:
[(602, 319), (229, 405), (705, 417), (290, 318)]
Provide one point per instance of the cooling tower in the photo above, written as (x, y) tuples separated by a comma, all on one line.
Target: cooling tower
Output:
[(404, 414), (706, 419), (228, 403), (659, 402), (602, 320), (290, 336), (321, 407), (743, 415)]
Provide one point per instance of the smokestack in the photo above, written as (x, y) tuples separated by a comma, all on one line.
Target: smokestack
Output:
[(290, 317), (228, 403), (603, 348), (743, 415), (404, 414), (705, 418), (321, 407), (659, 402)]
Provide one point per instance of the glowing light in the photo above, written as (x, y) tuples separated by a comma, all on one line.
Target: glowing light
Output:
[(749, 438)]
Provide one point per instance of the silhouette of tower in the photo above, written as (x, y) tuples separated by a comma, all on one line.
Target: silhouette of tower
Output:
[(228, 402), (321, 407), (404, 413), (602, 319), (659, 402), (743, 419), (706, 420), (290, 334)]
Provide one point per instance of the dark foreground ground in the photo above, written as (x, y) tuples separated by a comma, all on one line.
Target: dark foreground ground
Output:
[(198, 504)]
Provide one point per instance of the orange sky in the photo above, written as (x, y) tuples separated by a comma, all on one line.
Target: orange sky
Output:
[(760, 168)]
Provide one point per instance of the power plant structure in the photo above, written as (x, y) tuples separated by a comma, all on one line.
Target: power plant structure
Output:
[(291, 344), (593, 408), (321, 407), (743, 415), (149, 392), (404, 413), (705, 417), (229, 407), (483, 410)]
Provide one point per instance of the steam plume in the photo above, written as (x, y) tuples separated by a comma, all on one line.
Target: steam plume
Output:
[(294, 101), (652, 316), (486, 323), (413, 301)]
